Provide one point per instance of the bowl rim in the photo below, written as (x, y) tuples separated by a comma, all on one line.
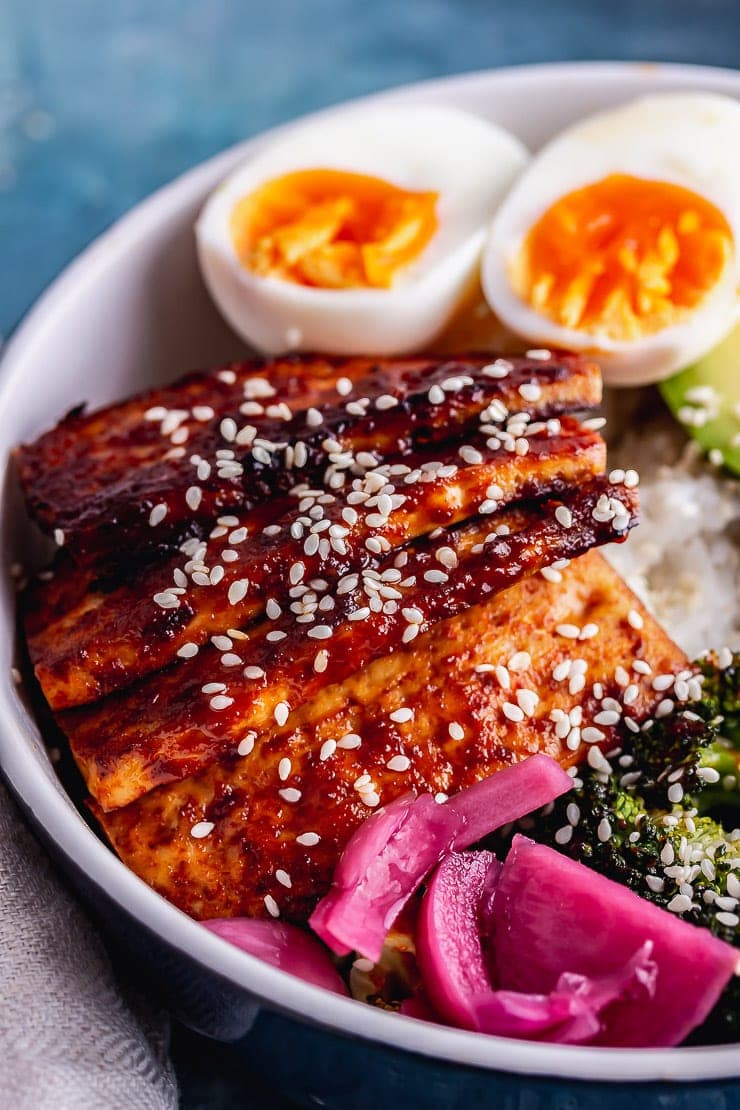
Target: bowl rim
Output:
[(53, 811)]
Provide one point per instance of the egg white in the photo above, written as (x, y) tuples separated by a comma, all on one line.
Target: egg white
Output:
[(686, 139), (471, 164)]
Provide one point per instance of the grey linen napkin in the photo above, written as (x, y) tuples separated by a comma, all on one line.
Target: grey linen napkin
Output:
[(68, 1039)]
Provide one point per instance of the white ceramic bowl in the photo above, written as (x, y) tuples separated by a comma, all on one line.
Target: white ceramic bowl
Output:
[(132, 311)]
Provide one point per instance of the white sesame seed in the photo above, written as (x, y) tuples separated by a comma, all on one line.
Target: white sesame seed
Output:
[(502, 677), (213, 688), (728, 919), (327, 749), (283, 878), (228, 429), (520, 661), (527, 701), (501, 368), (321, 661), (655, 883), (385, 401), (564, 834), (470, 455), (193, 497), (539, 354), (447, 557), (664, 708), (246, 746), (456, 731), (588, 631), (663, 682), (403, 715), (254, 672), (271, 906), (320, 632), (606, 717), (308, 839), (667, 854), (635, 619), (679, 904), (573, 813), (349, 741), (156, 516), (220, 702), (675, 793), (201, 829), (569, 631), (188, 650), (593, 735), (604, 830), (370, 798), (631, 694), (530, 391), (435, 395), (231, 659), (290, 794), (281, 712), (399, 763), (512, 712), (284, 768)]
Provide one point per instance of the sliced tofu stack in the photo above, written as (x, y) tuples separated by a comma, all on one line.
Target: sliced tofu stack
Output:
[(290, 591)]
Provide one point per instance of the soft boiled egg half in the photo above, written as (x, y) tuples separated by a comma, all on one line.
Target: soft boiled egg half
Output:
[(622, 237), (358, 233)]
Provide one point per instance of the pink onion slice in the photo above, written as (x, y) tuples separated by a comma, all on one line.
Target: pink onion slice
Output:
[(449, 929), (571, 1013), (390, 854), (284, 946), (553, 915), (381, 867), (452, 944)]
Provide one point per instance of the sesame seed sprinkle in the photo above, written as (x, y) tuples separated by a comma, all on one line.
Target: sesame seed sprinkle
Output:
[(271, 906)]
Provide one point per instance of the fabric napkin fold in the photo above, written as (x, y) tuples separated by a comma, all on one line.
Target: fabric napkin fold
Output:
[(69, 1038)]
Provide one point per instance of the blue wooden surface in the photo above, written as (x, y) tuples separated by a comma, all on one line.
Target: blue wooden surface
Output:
[(101, 101)]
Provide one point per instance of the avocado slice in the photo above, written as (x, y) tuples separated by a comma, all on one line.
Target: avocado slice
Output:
[(705, 398)]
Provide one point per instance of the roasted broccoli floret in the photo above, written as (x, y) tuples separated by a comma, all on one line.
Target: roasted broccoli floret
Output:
[(721, 689), (660, 815)]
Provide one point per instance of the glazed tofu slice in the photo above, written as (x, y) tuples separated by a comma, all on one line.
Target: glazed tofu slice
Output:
[(88, 637), (479, 691), (136, 479)]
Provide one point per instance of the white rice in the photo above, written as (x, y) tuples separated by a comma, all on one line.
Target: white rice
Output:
[(683, 559)]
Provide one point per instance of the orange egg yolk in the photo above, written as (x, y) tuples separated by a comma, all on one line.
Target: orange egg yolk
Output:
[(332, 229), (623, 257)]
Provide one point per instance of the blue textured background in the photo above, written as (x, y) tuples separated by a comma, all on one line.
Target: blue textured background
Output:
[(101, 101)]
